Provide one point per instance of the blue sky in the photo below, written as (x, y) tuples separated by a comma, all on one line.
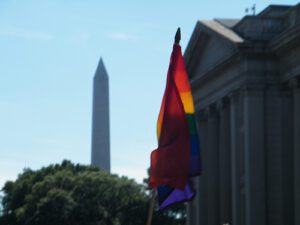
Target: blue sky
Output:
[(49, 50)]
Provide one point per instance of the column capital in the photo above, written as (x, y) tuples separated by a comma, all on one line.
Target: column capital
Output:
[(252, 87), (212, 109), (222, 103), (202, 114), (233, 95), (294, 83)]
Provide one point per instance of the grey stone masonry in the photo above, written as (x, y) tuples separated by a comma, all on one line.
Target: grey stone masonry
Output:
[(296, 103), (203, 187), (235, 148), (254, 156), (224, 159), (193, 206), (245, 73), (287, 157), (213, 167), (279, 142)]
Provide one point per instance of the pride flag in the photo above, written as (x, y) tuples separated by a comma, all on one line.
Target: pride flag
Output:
[(177, 157)]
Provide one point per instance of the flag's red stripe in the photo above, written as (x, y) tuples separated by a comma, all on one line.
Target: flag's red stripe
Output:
[(170, 162)]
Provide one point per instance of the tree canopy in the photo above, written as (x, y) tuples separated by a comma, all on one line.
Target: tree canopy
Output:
[(68, 194)]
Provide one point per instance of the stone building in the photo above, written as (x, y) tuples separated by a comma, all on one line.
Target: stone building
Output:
[(245, 81)]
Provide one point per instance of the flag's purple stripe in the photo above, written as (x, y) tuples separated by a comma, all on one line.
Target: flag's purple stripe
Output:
[(178, 195), (163, 193)]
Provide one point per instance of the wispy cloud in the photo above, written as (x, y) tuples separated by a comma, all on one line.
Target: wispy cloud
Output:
[(14, 32), (122, 36), (82, 38)]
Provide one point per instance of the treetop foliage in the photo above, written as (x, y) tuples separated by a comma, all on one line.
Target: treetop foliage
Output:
[(68, 194)]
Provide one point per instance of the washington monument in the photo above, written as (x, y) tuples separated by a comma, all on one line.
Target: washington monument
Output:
[(100, 123)]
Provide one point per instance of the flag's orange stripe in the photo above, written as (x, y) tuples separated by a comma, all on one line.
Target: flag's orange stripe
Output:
[(158, 130), (160, 117), (181, 80)]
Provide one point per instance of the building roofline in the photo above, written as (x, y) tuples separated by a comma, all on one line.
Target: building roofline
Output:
[(270, 7), (222, 30)]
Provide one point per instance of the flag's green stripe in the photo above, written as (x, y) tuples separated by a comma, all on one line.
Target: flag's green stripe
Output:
[(191, 123)]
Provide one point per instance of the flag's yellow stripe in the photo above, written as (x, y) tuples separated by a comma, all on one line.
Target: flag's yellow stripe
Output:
[(187, 101), (188, 105)]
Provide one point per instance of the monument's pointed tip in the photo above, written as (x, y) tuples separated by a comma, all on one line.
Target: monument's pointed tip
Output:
[(101, 60), (101, 71)]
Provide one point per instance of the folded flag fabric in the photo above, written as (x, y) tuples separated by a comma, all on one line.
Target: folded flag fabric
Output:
[(177, 157)]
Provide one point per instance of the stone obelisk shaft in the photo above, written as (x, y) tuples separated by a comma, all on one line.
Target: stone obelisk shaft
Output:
[(100, 124)]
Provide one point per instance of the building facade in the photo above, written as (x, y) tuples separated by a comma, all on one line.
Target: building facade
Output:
[(245, 78), (100, 124)]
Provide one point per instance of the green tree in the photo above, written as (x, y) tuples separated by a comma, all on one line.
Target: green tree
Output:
[(68, 194), (176, 211)]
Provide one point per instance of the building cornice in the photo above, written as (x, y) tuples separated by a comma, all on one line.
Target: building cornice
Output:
[(286, 40)]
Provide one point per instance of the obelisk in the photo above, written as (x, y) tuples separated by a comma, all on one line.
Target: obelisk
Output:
[(100, 123)]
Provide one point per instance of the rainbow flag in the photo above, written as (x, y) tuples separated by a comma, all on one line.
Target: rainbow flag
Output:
[(177, 157)]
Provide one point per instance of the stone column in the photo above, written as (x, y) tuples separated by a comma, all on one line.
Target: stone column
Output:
[(235, 149), (225, 162), (189, 214), (274, 143), (203, 188), (279, 155), (296, 103), (197, 208), (213, 167), (253, 104), (193, 208), (287, 157), (196, 201)]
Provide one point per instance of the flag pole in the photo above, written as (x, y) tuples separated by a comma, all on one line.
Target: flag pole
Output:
[(151, 207), (177, 36), (153, 192)]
